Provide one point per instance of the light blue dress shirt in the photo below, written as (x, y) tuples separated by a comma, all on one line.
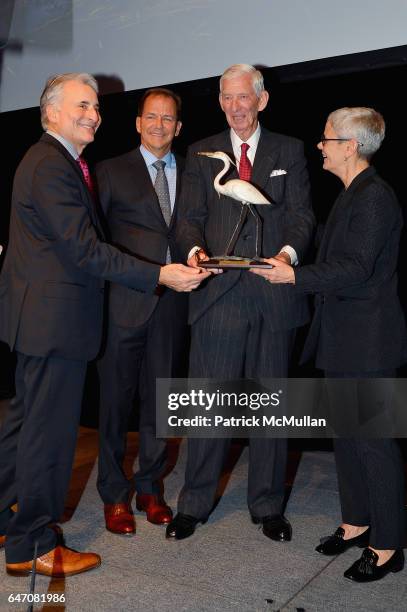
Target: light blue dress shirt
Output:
[(68, 145)]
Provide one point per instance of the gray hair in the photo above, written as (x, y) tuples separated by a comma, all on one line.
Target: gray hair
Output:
[(364, 124), (238, 70), (53, 90)]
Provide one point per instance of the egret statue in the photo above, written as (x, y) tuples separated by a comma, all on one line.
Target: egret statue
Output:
[(242, 191), (239, 190)]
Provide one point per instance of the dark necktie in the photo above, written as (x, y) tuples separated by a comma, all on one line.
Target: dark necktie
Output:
[(163, 195), (162, 191), (245, 167), (86, 174)]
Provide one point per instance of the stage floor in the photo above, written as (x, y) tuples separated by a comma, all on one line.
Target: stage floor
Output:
[(228, 565)]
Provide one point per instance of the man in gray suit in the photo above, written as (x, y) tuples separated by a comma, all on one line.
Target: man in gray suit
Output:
[(241, 326)]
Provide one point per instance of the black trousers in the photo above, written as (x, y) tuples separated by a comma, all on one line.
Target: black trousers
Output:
[(371, 480), (37, 444), (133, 359), (229, 342)]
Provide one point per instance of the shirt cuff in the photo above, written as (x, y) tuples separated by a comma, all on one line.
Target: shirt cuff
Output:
[(291, 253), (194, 250)]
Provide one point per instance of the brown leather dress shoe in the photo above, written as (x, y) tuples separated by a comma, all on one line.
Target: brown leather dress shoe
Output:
[(57, 563), (120, 519), (2, 540), (155, 507)]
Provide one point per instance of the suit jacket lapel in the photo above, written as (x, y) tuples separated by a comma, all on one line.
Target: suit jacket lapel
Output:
[(57, 145), (180, 167), (329, 227), (341, 202), (90, 204), (145, 184), (223, 143), (265, 160)]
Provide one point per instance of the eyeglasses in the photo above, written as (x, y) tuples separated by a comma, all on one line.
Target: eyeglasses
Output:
[(323, 140)]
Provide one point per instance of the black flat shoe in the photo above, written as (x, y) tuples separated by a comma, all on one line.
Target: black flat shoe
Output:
[(366, 569), (276, 527), (335, 544), (182, 526)]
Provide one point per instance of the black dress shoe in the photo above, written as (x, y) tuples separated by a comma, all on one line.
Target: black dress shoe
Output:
[(335, 544), (366, 569), (182, 526), (275, 527)]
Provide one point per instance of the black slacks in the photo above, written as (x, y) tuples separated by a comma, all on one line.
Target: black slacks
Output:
[(371, 478), (229, 342), (37, 444), (133, 359)]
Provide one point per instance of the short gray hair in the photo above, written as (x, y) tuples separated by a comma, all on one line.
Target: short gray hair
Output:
[(53, 90), (238, 70), (365, 125)]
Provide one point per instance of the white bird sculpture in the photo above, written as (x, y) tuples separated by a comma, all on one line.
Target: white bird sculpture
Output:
[(239, 190)]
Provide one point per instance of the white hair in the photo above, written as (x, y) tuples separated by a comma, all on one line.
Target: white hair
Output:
[(53, 90), (238, 70), (365, 125)]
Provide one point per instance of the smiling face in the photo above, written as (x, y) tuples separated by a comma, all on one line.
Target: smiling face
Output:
[(75, 114), (241, 105), (335, 151), (158, 124)]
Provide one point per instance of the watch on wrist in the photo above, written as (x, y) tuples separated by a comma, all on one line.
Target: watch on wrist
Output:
[(200, 255)]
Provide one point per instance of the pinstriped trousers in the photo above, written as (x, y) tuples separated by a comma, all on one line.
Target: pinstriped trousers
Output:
[(232, 340)]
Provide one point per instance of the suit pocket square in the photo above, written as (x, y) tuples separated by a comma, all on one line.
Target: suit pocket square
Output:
[(278, 173)]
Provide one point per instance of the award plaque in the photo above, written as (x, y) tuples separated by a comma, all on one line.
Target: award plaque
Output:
[(229, 262), (249, 196)]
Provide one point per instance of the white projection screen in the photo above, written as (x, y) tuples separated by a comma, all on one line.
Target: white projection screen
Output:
[(143, 43)]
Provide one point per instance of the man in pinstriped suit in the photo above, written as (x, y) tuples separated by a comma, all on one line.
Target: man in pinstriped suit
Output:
[(242, 327)]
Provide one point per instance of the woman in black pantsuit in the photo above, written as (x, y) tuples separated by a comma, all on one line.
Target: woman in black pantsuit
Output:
[(358, 331)]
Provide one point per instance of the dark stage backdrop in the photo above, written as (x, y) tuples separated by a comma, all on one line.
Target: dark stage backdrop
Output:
[(300, 99)]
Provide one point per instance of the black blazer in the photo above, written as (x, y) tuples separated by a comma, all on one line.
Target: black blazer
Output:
[(208, 221), (52, 279), (136, 225), (358, 323)]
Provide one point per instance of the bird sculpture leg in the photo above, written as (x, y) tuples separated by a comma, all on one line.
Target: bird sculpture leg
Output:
[(257, 218), (237, 230)]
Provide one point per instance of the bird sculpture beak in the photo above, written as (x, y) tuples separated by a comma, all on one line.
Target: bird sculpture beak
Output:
[(206, 153), (217, 155)]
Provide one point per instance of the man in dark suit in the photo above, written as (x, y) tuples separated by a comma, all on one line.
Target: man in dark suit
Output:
[(241, 326), (146, 335), (51, 298)]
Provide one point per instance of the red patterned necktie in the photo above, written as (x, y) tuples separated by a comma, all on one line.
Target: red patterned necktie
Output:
[(83, 164), (245, 167)]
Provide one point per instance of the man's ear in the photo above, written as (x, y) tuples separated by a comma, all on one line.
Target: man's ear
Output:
[(220, 102), (52, 112), (138, 126), (178, 129), (263, 100)]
